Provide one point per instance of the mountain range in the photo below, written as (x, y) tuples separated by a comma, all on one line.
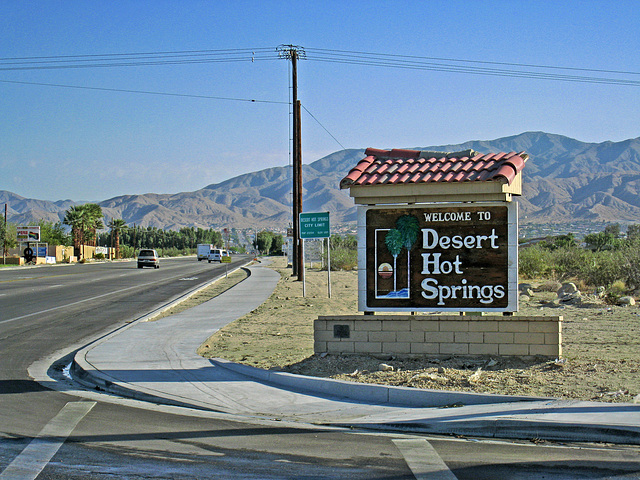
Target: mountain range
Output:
[(565, 181)]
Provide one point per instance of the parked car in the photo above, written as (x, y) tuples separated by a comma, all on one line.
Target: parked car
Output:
[(148, 257), (215, 255)]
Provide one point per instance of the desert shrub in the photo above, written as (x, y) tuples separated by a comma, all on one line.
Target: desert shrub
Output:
[(618, 287), (98, 256), (343, 258), (615, 291), (127, 251), (344, 252), (593, 268), (569, 263), (560, 241), (607, 240), (603, 268), (534, 261), (175, 252), (582, 285), (631, 265)]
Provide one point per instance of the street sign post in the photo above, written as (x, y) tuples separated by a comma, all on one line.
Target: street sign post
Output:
[(316, 225)]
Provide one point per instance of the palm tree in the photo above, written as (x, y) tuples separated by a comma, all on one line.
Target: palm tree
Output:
[(84, 221), (94, 220), (117, 225), (75, 217)]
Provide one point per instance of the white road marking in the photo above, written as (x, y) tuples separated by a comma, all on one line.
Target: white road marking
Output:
[(423, 460), (103, 295), (33, 459)]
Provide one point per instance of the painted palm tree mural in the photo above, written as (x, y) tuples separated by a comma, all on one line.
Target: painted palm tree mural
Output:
[(404, 235), (394, 243)]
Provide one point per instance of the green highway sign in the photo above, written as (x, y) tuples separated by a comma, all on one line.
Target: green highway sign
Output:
[(314, 225)]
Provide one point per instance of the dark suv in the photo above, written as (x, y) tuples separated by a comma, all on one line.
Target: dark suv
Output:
[(148, 258)]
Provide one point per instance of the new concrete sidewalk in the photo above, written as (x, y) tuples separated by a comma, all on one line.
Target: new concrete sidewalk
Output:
[(157, 361)]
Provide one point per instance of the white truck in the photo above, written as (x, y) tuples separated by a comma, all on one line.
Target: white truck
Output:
[(203, 250)]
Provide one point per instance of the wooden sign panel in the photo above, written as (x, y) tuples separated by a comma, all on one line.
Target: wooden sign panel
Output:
[(454, 257)]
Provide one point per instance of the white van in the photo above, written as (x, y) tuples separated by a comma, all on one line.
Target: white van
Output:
[(147, 257), (203, 250), (215, 255)]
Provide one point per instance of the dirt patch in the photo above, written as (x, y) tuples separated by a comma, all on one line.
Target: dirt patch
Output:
[(601, 346)]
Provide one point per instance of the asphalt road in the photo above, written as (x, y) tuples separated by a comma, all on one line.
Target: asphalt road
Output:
[(67, 434)]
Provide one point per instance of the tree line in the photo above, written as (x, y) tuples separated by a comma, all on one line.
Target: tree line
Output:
[(85, 221)]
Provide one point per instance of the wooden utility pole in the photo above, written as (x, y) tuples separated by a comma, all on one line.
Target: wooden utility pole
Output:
[(296, 186), (4, 237), (298, 172), (292, 53)]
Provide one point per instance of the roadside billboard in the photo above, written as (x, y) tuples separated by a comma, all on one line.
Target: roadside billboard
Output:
[(439, 257), (28, 234)]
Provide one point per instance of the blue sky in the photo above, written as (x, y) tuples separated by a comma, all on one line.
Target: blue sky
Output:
[(104, 140)]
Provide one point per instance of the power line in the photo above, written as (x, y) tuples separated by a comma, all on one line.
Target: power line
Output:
[(136, 59), (176, 52), (147, 92), (414, 57), (137, 63), (487, 72), (383, 60), (116, 56), (325, 129), (467, 66)]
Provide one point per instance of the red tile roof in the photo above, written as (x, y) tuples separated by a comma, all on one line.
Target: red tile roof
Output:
[(383, 167)]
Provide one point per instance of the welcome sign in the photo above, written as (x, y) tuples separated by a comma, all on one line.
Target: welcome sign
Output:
[(444, 257)]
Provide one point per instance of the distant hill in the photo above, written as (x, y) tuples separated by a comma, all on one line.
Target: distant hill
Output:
[(21, 210), (565, 181)]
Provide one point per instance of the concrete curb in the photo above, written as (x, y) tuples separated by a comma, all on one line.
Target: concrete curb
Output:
[(84, 374), (516, 429), (370, 393)]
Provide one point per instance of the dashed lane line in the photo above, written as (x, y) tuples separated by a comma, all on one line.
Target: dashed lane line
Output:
[(95, 297), (36, 456), (423, 460)]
